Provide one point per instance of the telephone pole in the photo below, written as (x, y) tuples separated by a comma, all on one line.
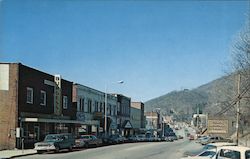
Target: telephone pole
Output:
[(238, 111)]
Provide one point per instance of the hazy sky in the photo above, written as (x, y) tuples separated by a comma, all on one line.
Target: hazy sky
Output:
[(154, 46)]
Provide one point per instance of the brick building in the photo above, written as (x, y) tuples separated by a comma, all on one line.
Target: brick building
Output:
[(33, 104), (123, 115), (140, 106), (91, 108)]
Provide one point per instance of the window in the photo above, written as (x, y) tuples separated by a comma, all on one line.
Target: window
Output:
[(29, 95), (89, 105), (65, 102), (96, 106), (43, 98), (101, 107), (118, 107), (81, 104)]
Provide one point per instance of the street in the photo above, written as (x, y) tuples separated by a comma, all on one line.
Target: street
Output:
[(144, 150)]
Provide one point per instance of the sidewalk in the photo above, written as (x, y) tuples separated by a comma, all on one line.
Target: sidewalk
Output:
[(15, 153)]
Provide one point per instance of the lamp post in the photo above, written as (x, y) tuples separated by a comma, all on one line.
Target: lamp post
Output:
[(105, 107)]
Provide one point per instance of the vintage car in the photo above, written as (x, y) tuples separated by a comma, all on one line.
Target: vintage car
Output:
[(55, 142), (87, 141)]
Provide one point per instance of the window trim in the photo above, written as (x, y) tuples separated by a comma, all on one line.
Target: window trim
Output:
[(32, 95)]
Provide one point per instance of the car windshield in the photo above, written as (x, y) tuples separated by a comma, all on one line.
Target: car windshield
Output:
[(84, 137), (208, 153), (49, 138), (208, 147)]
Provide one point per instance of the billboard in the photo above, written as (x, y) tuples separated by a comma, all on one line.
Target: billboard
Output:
[(217, 126)]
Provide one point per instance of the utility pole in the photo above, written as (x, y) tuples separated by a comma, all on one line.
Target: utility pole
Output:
[(238, 111)]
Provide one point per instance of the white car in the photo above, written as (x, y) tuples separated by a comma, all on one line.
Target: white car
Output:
[(210, 150), (233, 152)]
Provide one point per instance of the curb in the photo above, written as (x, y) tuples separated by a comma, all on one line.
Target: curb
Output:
[(21, 155)]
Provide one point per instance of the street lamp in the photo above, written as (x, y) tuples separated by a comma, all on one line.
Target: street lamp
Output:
[(105, 108)]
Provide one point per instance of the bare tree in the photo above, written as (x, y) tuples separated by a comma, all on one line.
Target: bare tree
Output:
[(241, 65)]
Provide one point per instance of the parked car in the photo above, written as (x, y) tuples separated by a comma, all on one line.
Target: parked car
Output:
[(202, 139), (141, 137), (208, 148), (180, 137), (55, 142), (87, 141), (150, 138), (115, 139), (233, 152), (133, 138), (191, 137), (105, 139), (214, 139)]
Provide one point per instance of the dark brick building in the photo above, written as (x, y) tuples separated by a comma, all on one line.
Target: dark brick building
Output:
[(123, 115), (33, 104)]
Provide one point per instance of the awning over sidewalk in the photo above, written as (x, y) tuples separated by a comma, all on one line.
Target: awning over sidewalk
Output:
[(45, 120)]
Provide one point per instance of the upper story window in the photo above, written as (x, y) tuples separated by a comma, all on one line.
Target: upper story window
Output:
[(89, 106), (43, 97), (65, 102), (118, 107), (81, 105), (29, 95), (101, 107), (96, 106)]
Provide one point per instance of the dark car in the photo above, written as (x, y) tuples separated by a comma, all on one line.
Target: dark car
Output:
[(133, 138), (55, 142), (87, 141), (116, 139)]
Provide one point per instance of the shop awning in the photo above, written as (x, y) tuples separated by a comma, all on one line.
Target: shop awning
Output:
[(45, 120)]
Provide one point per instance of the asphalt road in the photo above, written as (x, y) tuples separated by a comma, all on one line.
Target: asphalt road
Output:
[(144, 150)]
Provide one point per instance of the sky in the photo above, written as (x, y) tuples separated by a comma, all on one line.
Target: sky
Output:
[(155, 47)]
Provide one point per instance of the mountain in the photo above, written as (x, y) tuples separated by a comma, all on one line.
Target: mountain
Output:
[(208, 98)]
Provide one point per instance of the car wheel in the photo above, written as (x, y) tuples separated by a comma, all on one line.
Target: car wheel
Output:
[(57, 149), (87, 145), (70, 148), (40, 151)]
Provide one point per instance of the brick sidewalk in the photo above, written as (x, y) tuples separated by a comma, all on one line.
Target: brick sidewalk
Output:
[(15, 153)]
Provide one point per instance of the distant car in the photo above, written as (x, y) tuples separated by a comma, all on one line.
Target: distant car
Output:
[(115, 139), (191, 137), (87, 141), (55, 142), (141, 137), (180, 137), (150, 138), (133, 138), (214, 139), (202, 138)]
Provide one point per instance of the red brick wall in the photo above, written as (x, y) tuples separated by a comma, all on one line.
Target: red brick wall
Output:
[(8, 110)]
